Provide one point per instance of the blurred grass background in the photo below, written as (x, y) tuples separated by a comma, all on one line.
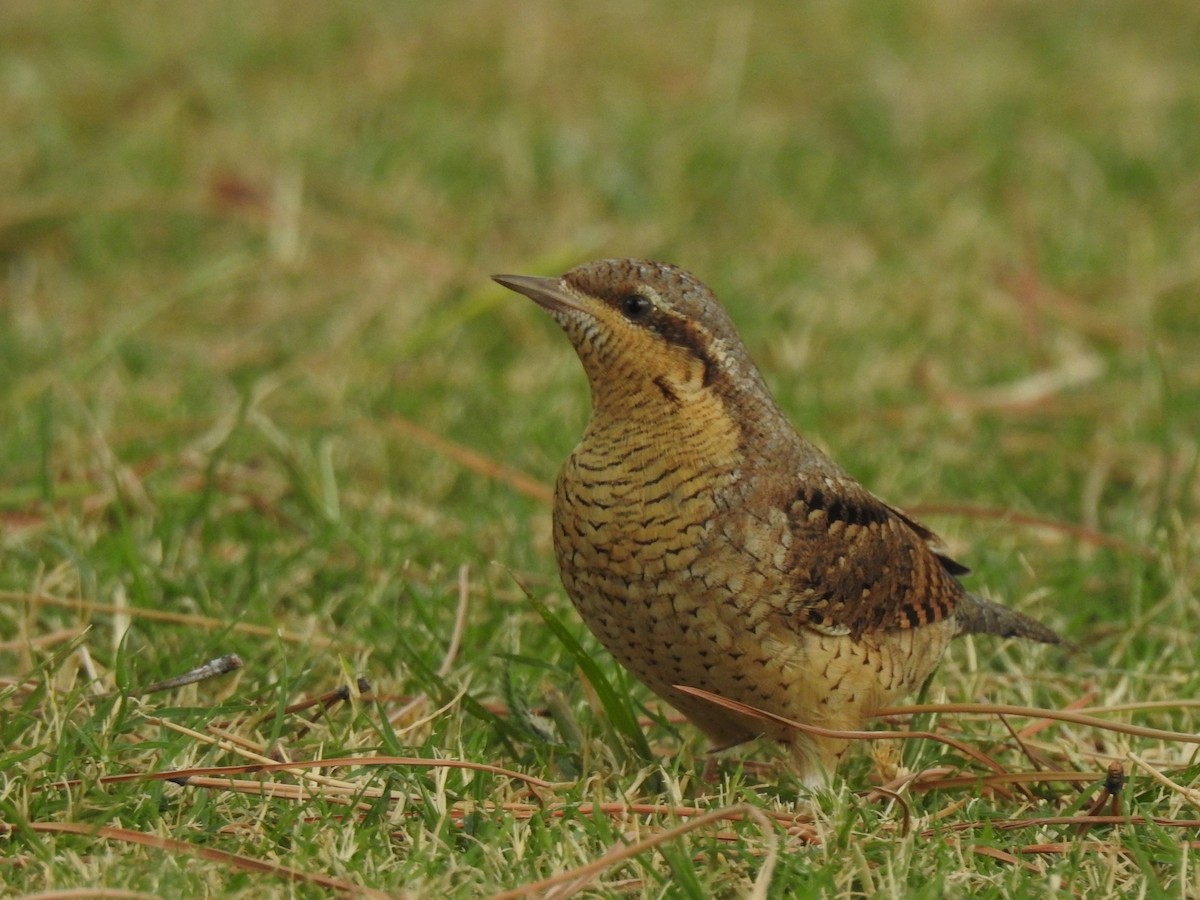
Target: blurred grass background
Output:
[(245, 245)]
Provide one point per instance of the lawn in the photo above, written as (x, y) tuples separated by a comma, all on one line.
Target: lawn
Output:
[(259, 397)]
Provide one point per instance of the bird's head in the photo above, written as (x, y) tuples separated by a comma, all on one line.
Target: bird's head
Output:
[(646, 332)]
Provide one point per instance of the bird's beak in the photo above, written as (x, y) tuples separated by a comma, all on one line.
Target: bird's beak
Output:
[(548, 293)]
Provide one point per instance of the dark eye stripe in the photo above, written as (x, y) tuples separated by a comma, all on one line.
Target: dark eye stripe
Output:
[(682, 333)]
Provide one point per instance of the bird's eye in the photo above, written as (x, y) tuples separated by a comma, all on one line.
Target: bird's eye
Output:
[(635, 306)]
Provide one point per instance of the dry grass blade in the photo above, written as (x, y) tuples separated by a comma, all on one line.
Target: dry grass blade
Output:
[(235, 744), (90, 607), (1191, 795), (460, 620), (183, 775), (580, 876), (763, 880), (261, 397), (50, 639), (172, 845), (88, 894), (796, 826), (281, 790)]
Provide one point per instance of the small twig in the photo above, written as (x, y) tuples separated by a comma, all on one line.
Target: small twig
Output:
[(901, 782), (1114, 782), (325, 703), (214, 668), (329, 699)]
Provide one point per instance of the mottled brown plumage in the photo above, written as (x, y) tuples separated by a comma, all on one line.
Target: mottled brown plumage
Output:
[(709, 545)]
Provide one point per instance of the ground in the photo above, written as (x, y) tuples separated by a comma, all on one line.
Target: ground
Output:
[(259, 397)]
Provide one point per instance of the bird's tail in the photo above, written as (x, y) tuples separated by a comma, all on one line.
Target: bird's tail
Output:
[(976, 615)]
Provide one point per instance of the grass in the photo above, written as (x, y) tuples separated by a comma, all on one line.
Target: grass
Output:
[(247, 338)]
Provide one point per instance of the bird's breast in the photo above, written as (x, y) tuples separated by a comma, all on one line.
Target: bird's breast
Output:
[(639, 498)]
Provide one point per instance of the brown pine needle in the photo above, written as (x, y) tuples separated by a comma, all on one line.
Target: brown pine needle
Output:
[(953, 782), (1043, 821), (748, 710), (1033, 712), (1079, 705), (1140, 706), (1079, 532), (1063, 847), (475, 461)]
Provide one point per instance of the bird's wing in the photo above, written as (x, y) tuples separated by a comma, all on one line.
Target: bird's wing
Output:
[(859, 565), (932, 541)]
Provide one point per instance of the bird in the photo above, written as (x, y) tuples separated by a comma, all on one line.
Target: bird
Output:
[(708, 545)]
